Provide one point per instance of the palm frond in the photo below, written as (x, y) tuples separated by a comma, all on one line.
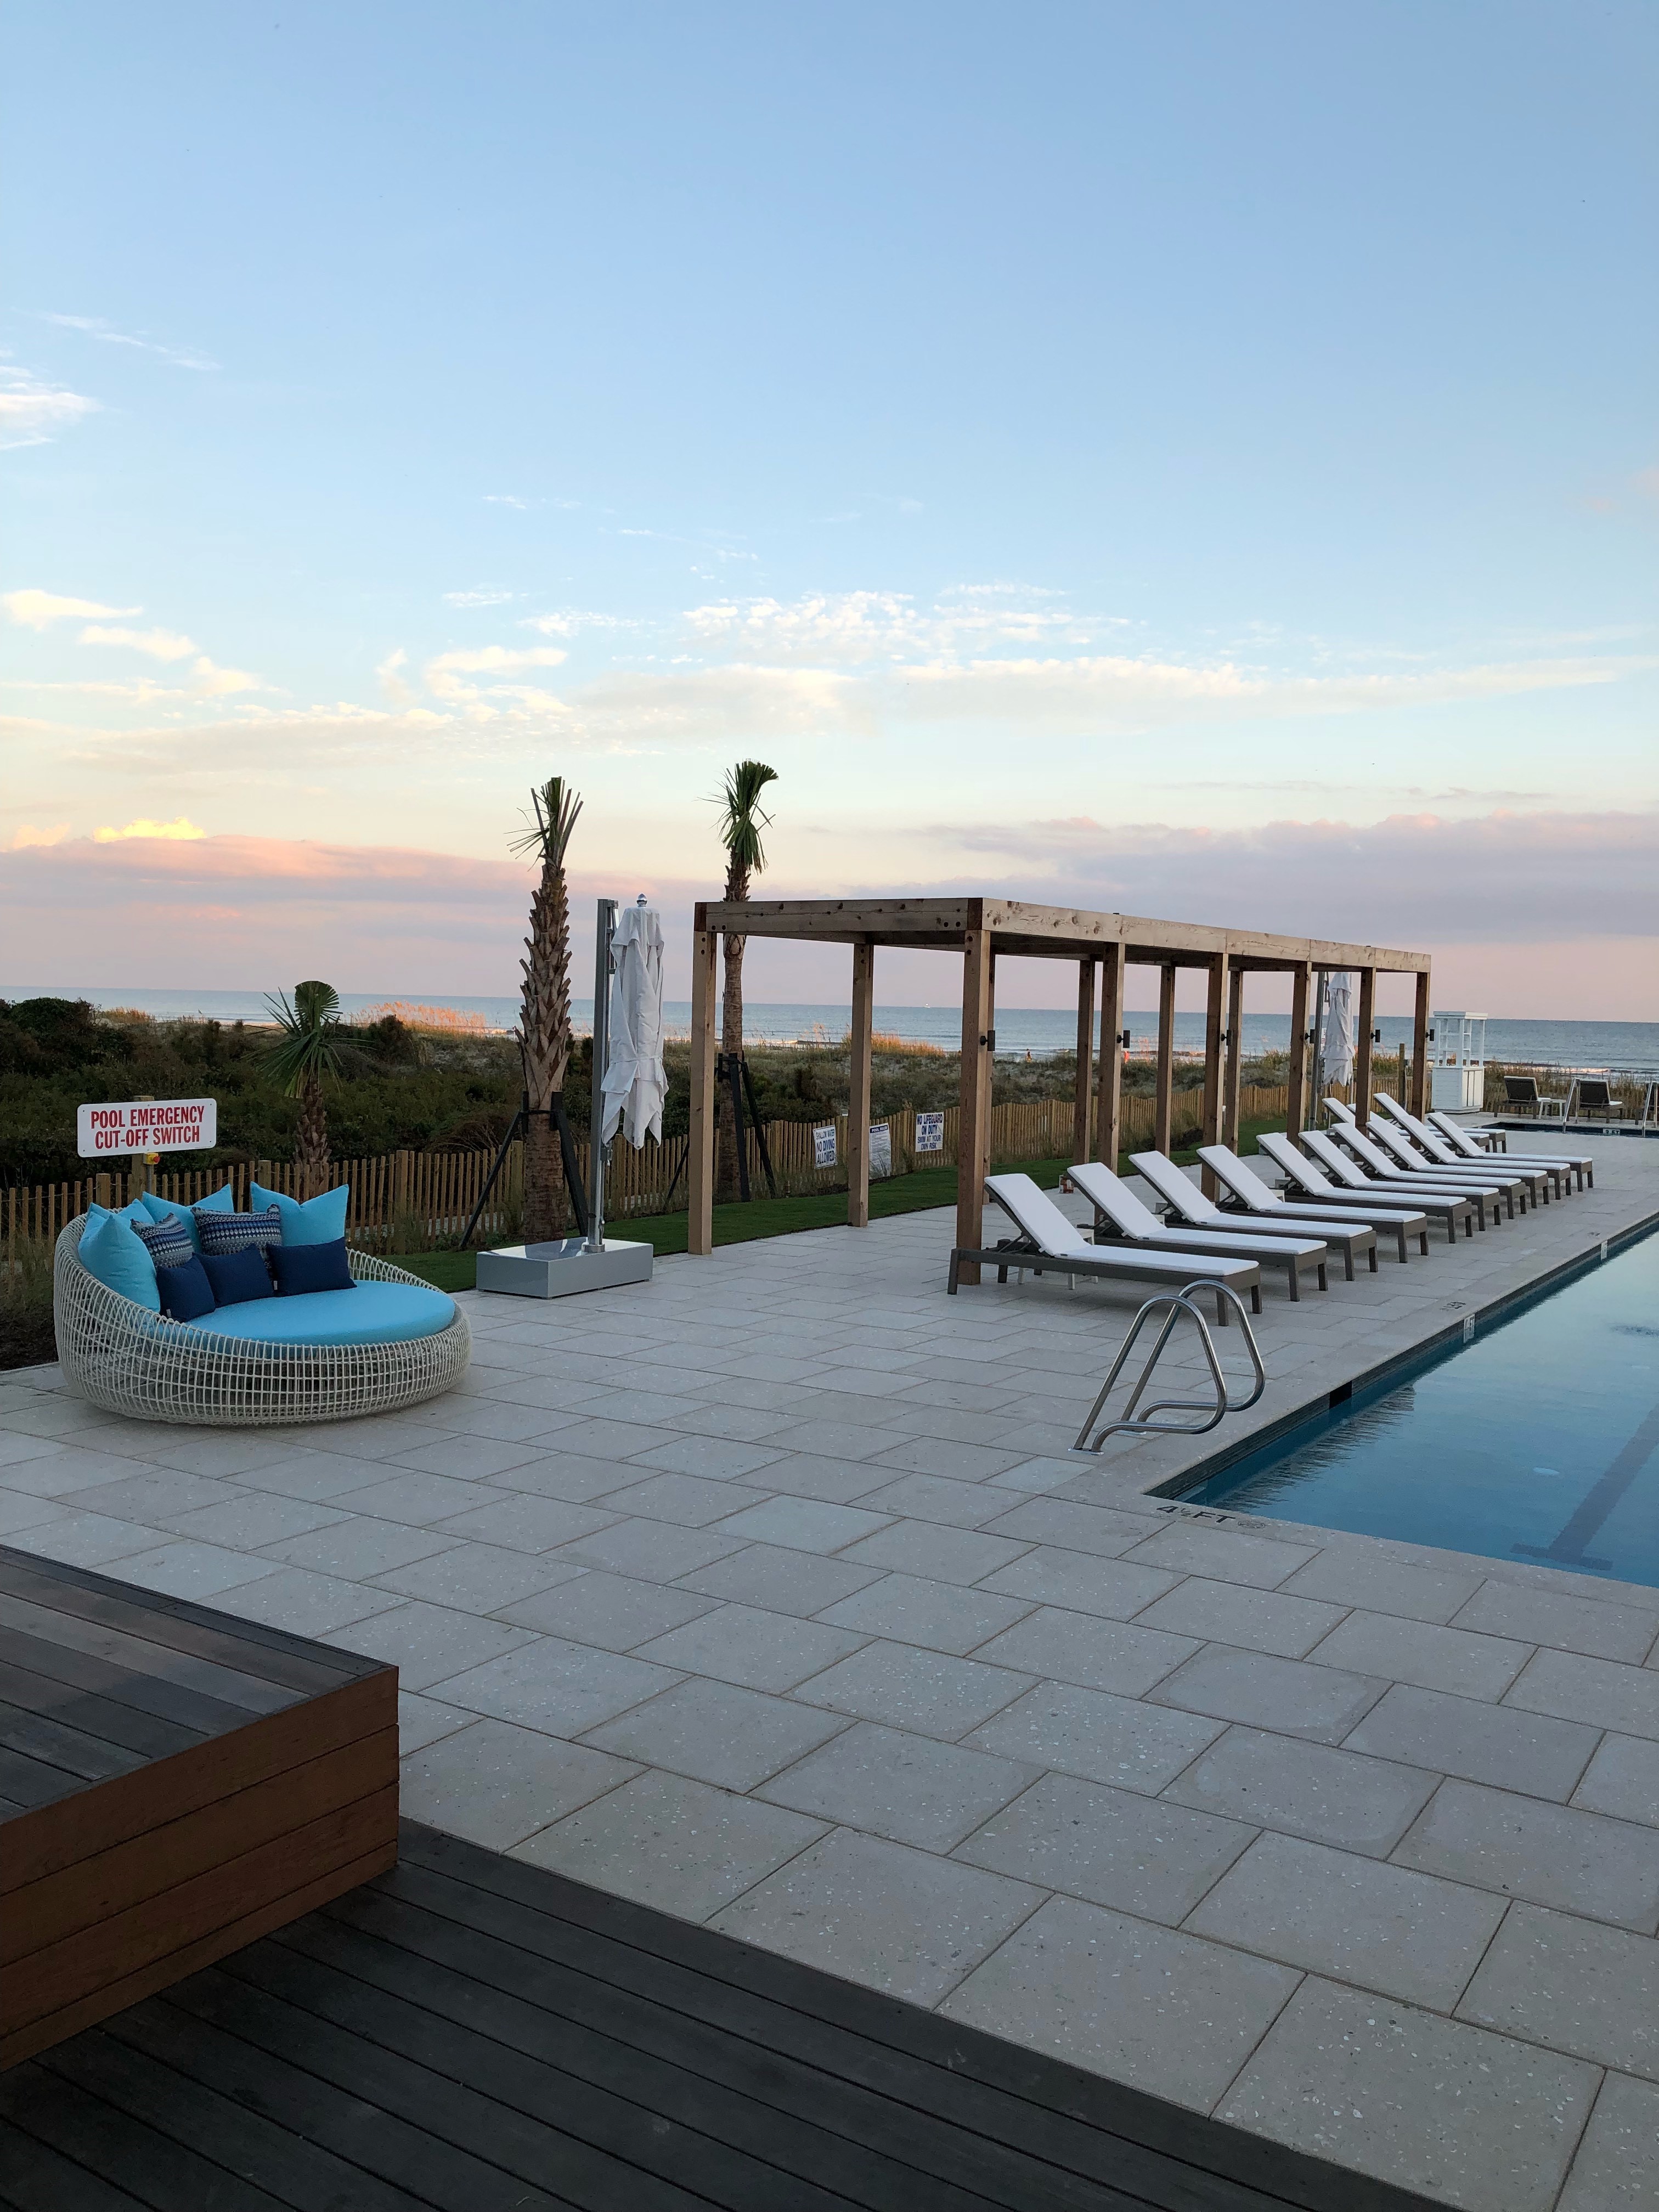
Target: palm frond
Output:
[(307, 1047), (742, 817), (553, 808)]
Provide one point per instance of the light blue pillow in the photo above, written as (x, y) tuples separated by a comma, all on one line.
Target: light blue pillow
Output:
[(134, 1211), (320, 1220), (165, 1210), (112, 1254)]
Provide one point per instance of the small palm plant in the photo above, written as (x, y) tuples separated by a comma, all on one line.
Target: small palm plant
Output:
[(742, 820), (305, 1054), (545, 1015)]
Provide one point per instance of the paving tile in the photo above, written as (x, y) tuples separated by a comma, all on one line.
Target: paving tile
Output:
[(1571, 1624), (1169, 2012), (602, 1439), (655, 1551), (836, 1440), (715, 1458), (305, 1604), (198, 1571), (1573, 1984), (245, 1523), (931, 1692), (214, 1453), (1352, 1918), (1308, 1790), (886, 1782), (1617, 2168), (1071, 1526), (567, 1475), (477, 1577), (82, 1539), (1600, 1692), (878, 1913), (1622, 1779), (810, 1474), (612, 1611), (547, 1682), (743, 1644), (318, 1475), (1552, 1854), (801, 1524), (929, 1548), (674, 1844), (1227, 1555), (717, 1732), (426, 1642), (1109, 1587), (468, 1458), (1233, 1613), (415, 1500), (359, 1549), (421, 1721), (1419, 1651), (525, 1523), (1290, 1696), (915, 1609), (1082, 1647), (781, 1581), (1477, 1741), (1105, 1738), (495, 1784), (1467, 2117), (691, 1500), (512, 1424), (744, 1425), (126, 1495), (937, 1498), (14, 1448), (944, 1456), (1113, 1847)]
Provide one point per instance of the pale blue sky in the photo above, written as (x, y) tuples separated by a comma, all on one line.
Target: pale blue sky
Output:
[(1087, 448)]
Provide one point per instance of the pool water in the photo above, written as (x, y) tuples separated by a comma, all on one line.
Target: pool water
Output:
[(1539, 1441)]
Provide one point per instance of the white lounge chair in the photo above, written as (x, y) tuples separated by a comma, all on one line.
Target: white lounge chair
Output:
[(1540, 1177), (1388, 1174), (1501, 1182), (1185, 1199), (1265, 1205), (1341, 1178), (1047, 1244), (1121, 1212), (1583, 1165)]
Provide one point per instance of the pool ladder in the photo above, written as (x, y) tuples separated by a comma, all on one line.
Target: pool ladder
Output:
[(1133, 1423)]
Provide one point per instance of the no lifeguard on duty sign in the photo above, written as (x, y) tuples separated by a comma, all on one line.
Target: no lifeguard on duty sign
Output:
[(147, 1124)]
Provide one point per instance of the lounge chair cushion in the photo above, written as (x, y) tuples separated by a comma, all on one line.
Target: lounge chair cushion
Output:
[(186, 1294), (368, 1313), (301, 1269), (237, 1277), (223, 1201), (318, 1221), (112, 1253)]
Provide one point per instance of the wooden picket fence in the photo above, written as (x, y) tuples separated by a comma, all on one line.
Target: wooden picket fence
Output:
[(412, 1202)]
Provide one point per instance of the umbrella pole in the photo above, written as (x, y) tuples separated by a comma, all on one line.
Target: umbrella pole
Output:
[(605, 936)]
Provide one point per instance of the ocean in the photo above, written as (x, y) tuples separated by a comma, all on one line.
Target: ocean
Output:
[(1628, 1047)]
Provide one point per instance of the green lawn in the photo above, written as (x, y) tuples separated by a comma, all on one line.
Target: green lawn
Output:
[(778, 1216)]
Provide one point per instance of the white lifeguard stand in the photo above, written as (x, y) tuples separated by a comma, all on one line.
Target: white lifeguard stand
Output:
[(1459, 1079)]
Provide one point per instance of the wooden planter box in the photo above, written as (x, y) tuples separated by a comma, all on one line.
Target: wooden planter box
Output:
[(173, 1783)]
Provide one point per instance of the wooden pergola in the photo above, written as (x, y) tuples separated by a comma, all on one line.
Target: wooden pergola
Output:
[(1102, 945)]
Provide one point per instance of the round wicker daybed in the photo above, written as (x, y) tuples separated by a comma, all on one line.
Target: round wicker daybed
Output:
[(131, 1361)]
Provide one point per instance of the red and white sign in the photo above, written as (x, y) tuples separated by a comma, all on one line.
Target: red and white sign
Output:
[(147, 1124)]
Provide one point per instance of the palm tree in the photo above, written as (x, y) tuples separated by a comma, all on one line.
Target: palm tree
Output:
[(307, 1051), (544, 1017), (742, 820)]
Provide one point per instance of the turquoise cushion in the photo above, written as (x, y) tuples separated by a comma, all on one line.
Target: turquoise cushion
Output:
[(113, 1255), (163, 1209), (368, 1313), (320, 1220), (135, 1211)]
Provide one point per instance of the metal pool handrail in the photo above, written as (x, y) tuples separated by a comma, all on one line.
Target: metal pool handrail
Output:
[(1178, 1301)]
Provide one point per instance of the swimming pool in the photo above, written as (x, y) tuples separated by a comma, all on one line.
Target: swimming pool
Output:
[(1538, 1441)]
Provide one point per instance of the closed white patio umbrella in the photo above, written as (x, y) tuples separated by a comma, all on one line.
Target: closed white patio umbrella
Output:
[(1337, 1060), (635, 1082)]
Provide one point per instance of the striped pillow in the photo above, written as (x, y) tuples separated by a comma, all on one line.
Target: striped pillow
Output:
[(238, 1232), (168, 1242)]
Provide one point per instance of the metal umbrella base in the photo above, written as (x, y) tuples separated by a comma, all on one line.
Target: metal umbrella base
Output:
[(558, 1270)]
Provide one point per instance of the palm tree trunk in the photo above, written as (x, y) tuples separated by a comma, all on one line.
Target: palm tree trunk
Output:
[(726, 1183), (311, 1139), (544, 1048)]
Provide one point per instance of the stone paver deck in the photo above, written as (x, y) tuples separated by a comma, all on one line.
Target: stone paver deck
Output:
[(765, 1594)]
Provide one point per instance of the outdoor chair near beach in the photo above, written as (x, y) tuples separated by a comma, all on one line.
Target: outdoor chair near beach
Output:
[(1263, 1204), (1047, 1244), (384, 1340), (1119, 1213), (1327, 1173), (1591, 1099), (1385, 1174), (1542, 1176), (1500, 1178), (1523, 1096), (1465, 1143), (1188, 1203)]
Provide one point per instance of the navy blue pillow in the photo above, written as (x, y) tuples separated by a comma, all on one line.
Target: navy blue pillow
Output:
[(236, 1276), (301, 1268), (186, 1293)]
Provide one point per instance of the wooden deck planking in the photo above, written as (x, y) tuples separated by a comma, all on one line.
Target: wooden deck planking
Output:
[(468, 2031)]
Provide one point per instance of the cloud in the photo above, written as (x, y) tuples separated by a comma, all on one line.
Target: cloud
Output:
[(35, 610), (158, 644), (27, 835), (705, 705), (30, 411), (871, 629), (485, 596), (95, 327), (179, 832), (213, 681), (390, 680), (508, 499), (567, 621), (444, 674)]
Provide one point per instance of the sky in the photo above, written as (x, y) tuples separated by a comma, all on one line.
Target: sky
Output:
[(1197, 461)]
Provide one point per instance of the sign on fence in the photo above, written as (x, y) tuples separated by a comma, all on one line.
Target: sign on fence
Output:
[(823, 1145), (881, 1150), (930, 1132), (147, 1124)]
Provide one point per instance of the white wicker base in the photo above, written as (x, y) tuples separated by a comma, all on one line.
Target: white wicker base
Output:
[(131, 1361)]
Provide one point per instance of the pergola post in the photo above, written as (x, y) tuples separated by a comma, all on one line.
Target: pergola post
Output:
[(700, 1220), (1108, 1102), (1296, 1076), (1086, 1047), (1362, 1054), (858, 1098), (1233, 1072), (1164, 1109), (1214, 1013), (973, 1115), (1420, 1045)]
